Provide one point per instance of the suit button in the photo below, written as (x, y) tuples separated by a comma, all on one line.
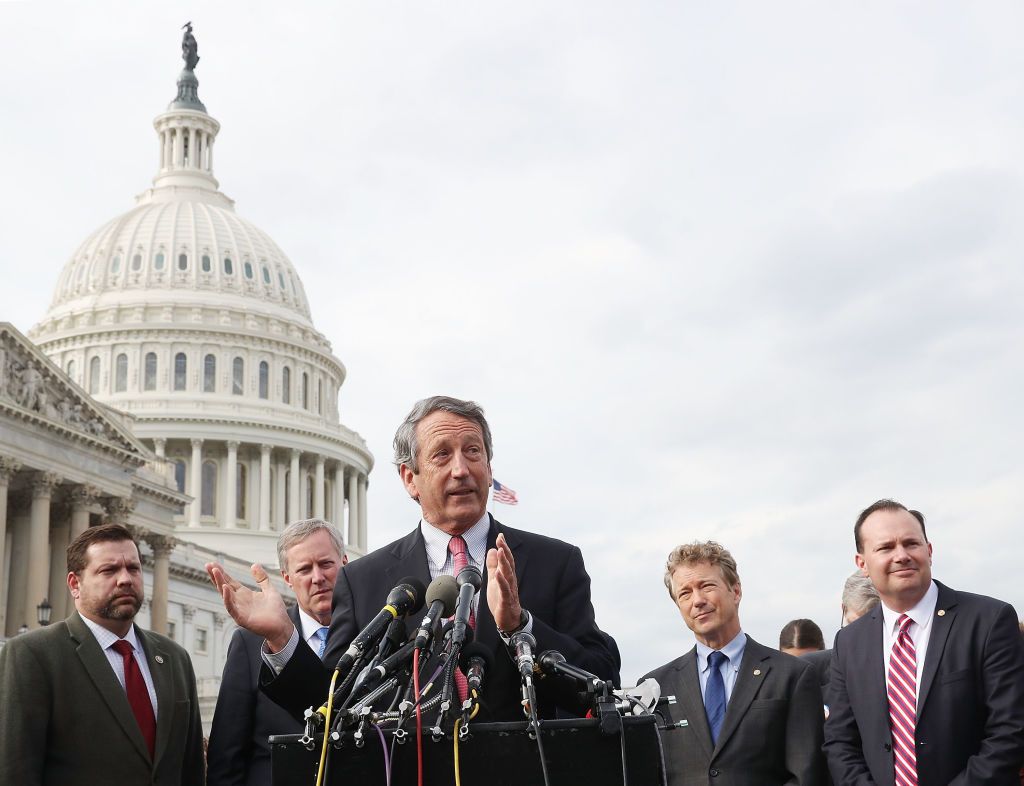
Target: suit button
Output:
[(713, 773), (888, 748)]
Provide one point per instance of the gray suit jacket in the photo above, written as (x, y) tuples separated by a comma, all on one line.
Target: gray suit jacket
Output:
[(772, 730), (64, 717)]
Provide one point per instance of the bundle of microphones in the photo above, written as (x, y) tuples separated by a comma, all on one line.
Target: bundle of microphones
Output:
[(385, 676)]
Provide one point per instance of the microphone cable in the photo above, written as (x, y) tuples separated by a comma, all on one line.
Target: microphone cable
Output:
[(419, 717), (531, 708), (327, 727), (455, 734), (387, 758)]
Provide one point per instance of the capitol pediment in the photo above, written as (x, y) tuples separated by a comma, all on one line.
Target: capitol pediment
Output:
[(32, 386)]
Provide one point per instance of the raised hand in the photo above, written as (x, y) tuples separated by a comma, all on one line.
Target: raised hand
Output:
[(503, 587), (261, 612)]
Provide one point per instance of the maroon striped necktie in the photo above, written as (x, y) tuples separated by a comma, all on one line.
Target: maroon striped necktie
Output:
[(460, 559), (903, 704), (138, 694)]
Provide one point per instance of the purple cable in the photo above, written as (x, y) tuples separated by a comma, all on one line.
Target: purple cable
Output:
[(387, 759)]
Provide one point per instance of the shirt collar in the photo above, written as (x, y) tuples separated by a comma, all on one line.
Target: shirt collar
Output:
[(733, 651), (310, 625), (106, 638), (921, 613), (475, 537)]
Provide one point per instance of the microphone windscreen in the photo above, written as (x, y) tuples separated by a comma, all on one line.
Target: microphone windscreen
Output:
[(418, 589), (475, 650), (445, 589)]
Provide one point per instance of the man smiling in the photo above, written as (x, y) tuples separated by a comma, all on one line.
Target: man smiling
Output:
[(927, 688), (746, 715)]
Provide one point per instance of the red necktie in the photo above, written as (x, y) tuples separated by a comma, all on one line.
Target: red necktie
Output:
[(903, 704), (138, 694), (460, 559)]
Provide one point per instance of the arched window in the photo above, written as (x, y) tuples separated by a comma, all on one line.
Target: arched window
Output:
[(280, 280), (115, 264), (241, 485), (182, 261), (137, 262), (210, 374), (94, 376), (266, 275), (149, 378), (209, 504), (286, 384), (71, 370), (158, 261), (248, 269), (264, 379), (207, 266), (238, 376), (180, 371), (305, 390), (320, 397), (121, 373), (179, 475), (309, 496), (229, 269)]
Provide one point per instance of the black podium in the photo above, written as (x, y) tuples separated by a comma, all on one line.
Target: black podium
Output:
[(494, 754)]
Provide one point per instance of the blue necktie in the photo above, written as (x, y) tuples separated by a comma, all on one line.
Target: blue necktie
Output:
[(321, 634), (714, 694)]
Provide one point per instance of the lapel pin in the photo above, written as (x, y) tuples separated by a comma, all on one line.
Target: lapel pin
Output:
[(757, 672), (159, 658), (942, 612)]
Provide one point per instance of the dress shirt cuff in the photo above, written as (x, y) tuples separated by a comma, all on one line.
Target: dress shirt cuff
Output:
[(527, 628), (278, 660)]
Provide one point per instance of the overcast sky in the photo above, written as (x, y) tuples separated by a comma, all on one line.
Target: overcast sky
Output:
[(713, 270)]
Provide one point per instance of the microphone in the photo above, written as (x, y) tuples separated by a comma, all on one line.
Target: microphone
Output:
[(553, 662), (475, 660), (406, 598), (442, 595), (388, 666), (469, 581), (524, 644), (642, 699)]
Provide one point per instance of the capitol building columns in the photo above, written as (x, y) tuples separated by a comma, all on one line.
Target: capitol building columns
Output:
[(162, 547)]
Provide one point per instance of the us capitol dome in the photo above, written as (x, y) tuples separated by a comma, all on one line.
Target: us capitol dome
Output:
[(193, 321)]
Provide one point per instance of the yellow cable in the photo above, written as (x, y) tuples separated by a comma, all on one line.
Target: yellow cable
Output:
[(476, 705), (455, 735), (327, 729)]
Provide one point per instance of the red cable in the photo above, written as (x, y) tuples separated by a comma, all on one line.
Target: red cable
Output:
[(419, 717)]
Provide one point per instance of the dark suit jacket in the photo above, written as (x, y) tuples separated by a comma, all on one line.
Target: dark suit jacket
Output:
[(239, 751), (553, 586), (821, 661), (970, 718), (65, 719), (771, 734)]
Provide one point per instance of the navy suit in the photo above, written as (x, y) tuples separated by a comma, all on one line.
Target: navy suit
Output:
[(553, 586), (239, 752), (970, 709)]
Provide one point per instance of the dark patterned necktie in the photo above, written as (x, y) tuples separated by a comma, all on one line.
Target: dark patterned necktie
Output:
[(138, 694), (714, 694)]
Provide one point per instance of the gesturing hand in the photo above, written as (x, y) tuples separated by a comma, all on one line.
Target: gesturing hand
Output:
[(261, 612), (502, 586)]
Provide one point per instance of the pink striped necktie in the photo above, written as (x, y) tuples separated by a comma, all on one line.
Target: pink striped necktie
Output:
[(903, 704), (460, 559)]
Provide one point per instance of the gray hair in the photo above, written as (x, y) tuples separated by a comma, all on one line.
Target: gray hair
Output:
[(859, 594), (406, 449), (298, 531)]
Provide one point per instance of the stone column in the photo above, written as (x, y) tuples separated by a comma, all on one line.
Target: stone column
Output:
[(197, 483), (264, 514), (162, 546), (82, 498), (231, 489), (362, 511), (318, 489), (188, 613), (353, 507), (160, 447), (119, 510), (294, 488), (60, 536), (8, 468), (339, 498), (280, 509), (178, 147), (39, 545)]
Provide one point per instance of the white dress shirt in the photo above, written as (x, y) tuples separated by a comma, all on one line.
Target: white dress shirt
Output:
[(733, 651), (106, 640), (920, 630)]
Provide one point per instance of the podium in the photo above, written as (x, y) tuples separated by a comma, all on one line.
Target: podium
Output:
[(494, 754)]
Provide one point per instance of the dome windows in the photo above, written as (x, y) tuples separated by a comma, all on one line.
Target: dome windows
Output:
[(180, 371), (206, 263), (182, 261), (264, 379), (115, 265), (248, 269), (305, 390), (229, 268), (209, 483), (238, 377), (137, 262), (280, 280), (94, 376), (266, 275), (121, 373), (158, 261), (210, 374), (149, 376), (286, 384)]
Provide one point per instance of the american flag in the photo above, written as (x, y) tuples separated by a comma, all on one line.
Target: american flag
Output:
[(503, 493)]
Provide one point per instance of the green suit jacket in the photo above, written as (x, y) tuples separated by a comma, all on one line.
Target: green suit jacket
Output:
[(64, 717)]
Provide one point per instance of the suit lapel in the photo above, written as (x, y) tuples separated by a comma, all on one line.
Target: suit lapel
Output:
[(96, 665), (755, 658), (689, 698), (410, 559), (877, 687), (942, 621), (159, 662)]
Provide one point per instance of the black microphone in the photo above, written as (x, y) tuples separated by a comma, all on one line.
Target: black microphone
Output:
[(553, 662), (388, 666), (469, 581), (442, 595), (406, 598), (475, 660), (524, 644)]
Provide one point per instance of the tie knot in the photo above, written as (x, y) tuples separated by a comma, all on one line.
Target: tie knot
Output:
[(717, 658), (123, 648), (321, 633), (904, 622), (457, 545)]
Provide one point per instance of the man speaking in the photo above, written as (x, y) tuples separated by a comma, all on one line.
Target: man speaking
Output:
[(531, 582)]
